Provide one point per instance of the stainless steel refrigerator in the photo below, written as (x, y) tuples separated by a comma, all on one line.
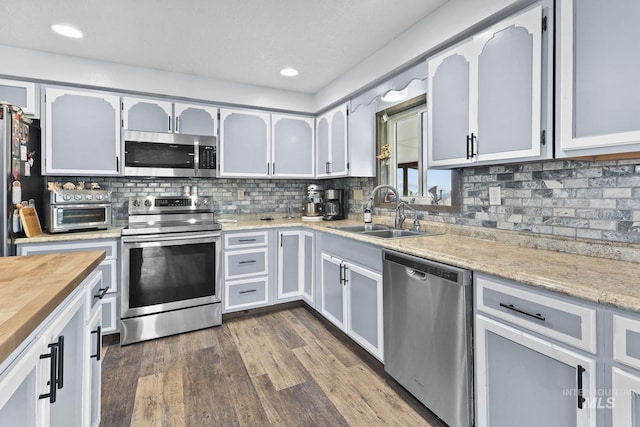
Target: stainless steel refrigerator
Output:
[(20, 171)]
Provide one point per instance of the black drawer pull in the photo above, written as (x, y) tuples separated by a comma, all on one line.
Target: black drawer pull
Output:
[(246, 240), (512, 307), (60, 379), (98, 332), (581, 399), (101, 293), (248, 291), (251, 261)]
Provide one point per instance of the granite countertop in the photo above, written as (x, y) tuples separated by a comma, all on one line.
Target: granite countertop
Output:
[(600, 280), (600, 272), (31, 287)]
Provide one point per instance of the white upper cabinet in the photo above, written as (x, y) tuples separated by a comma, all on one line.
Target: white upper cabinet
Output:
[(193, 119), (598, 98), (260, 145), (81, 133), (488, 96), (148, 115), (332, 159), (362, 140), (293, 146), (245, 143), (22, 94)]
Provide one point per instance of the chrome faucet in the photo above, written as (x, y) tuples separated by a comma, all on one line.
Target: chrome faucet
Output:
[(399, 216), (416, 223)]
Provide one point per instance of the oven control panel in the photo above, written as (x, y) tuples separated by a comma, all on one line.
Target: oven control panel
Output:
[(151, 204)]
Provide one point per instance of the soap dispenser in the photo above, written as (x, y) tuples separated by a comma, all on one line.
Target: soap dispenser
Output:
[(367, 213)]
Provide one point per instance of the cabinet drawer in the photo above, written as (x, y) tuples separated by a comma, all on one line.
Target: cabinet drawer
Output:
[(109, 246), (245, 240), (567, 322), (109, 268), (95, 292), (246, 293), (245, 263), (626, 340), (110, 321)]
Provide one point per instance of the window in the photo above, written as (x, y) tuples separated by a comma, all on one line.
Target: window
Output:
[(402, 160)]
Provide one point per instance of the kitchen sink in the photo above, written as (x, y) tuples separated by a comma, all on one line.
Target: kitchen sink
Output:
[(395, 233), (382, 231), (362, 228)]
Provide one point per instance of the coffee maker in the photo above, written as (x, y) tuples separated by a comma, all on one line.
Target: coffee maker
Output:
[(334, 205)]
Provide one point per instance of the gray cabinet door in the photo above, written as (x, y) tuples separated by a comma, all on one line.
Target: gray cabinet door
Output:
[(332, 290), (362, 140), (94, 371), (525, 381), (509, 89), (599, 95), (289, 267), (448, 98), (322, 147), (70, 325), (339, 148), (244, 143), (364, 311), (22, 94), (195, 119), (82, 133), (292, 146), (307, 262), (147, 115), (20, 387)]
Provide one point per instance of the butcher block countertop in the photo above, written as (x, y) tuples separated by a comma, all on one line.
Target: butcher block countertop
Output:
[(31, 287)]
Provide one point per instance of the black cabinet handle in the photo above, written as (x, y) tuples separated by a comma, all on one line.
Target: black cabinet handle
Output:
[(247, 291), (60, 379), (53, 362), (246, 240), (101, 293), (251, 261), (169, 123), (473, 137), (512, 307), (581, 399), (98, 331), (345, 281), (341, 278), (268, 168), (468, 149), (273, 169)]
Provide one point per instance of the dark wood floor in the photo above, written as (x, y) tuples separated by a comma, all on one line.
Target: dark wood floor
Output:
[(283, 368)]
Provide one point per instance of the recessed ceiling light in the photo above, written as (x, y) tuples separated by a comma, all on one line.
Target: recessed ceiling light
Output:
[(67, 31), (289, 72)]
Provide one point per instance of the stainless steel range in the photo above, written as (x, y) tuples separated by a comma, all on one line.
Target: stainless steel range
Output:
[(170, 262)]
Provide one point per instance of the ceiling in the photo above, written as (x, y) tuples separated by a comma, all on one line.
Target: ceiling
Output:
[(245, 41)]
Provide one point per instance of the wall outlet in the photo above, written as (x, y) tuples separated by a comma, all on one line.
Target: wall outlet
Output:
[(494, 196), (357, 194), (240, 194)]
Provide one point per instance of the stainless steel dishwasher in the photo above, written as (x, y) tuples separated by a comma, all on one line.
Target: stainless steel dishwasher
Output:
[(428, 335)]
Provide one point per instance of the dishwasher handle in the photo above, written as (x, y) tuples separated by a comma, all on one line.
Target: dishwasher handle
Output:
[(415, 274)]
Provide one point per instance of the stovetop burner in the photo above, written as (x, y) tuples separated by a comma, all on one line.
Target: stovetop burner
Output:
[(179, 214)]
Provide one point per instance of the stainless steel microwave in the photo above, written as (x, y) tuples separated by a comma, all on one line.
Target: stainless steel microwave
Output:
[(169, 154)]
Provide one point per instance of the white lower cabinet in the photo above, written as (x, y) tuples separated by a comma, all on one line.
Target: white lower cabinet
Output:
[(537, 359), (295, 265), (624, 399), (351, 298), (527, 381), (247, 258), (45, 381), (108, 293)]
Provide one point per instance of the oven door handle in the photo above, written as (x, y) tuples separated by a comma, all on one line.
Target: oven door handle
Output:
[(149, 238)]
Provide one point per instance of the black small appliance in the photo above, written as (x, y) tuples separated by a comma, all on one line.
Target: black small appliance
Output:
[(334, 205)]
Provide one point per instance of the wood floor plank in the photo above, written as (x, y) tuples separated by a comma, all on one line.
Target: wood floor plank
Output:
[(275, 360), (272, 369)]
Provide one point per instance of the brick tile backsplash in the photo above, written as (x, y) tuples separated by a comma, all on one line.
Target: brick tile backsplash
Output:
[(569, 198)]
